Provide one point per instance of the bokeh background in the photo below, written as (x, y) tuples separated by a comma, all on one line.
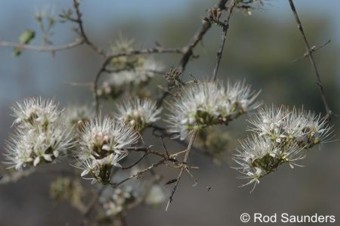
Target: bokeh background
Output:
[(259, 48)]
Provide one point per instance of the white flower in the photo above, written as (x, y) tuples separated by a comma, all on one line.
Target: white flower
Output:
[(41, 136), (121, 200), (102, 144), (129, 73), (35, 112), (33, 147), (258, 157), (208, 103), (138, 113), (283, 125), (241, 98), (279, 136)]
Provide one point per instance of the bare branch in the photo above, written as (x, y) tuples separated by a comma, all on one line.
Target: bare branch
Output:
[(51, 49), (140, 172), (312, 49), (183, 167), (82, 33), (225, 28), (188, 50), (312, 60)]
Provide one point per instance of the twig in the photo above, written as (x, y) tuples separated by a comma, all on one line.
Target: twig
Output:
[(188, 50), (82, 33), (225, 29), (312, 49), (183, 167), (312, 61), (160, 162), (135, 163), (51, 49)]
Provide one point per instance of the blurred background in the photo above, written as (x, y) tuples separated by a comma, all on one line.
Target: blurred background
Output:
[(259, 48)]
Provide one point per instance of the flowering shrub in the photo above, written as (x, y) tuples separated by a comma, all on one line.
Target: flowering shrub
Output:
[(108, 147)]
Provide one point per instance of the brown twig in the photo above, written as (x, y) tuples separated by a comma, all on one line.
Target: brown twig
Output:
[(188, 50), (82, 33), (225, 29), (139, 173), (312, 60), (183, 167)]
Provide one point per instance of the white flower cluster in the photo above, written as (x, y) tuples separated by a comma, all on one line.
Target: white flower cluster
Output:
[(209, 103), (126, 197), (41, 135), (280, 135), (127, 72), (138, 113), (103, 144), (119, 201), (122, 80)]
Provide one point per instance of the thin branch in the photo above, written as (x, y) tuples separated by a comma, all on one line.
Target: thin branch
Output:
[(183, 167), (188, 50), (312, 61), (135, 163), (139, 173), (149, 151), (82, 33), (52, 49), (225, 28), (312, 50)]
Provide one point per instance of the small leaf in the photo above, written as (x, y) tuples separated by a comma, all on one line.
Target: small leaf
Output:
[(25, 38)]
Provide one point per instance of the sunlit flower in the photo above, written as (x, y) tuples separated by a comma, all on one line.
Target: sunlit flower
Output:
[(280, 135), (258, 157), (103, 144), (283, 125), (208, 103)]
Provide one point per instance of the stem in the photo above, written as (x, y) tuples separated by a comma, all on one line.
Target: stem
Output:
[(224, 37), (183, 167), (188, 50), (312, 60)]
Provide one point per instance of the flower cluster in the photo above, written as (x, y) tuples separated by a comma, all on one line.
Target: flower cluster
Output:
[(103, 144), (209, 103), (121, 200), (41, 135), (126, 197), (127, 72), (280, 135), (138, 113)]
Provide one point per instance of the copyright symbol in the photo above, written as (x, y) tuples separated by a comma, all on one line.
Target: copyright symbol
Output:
[(245, 217)]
